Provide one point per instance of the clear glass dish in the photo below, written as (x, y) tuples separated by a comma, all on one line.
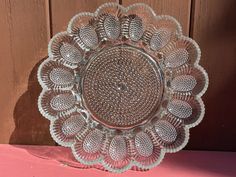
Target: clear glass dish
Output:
[(122, 87)]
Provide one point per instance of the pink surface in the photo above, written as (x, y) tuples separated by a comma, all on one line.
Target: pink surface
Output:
[(39, 161)]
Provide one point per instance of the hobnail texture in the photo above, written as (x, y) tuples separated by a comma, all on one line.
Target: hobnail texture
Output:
[(108, 27), (122, 87), (143, 144)]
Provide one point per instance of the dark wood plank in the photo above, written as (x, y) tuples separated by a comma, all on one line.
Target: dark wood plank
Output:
[(24, 29), (214, 28)]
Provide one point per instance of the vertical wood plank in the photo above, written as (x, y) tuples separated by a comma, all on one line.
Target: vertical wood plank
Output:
[(214, 28), (63, 10), (180, 9), (24, 29)]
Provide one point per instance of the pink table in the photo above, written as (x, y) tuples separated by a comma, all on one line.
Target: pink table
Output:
[(40, 161)]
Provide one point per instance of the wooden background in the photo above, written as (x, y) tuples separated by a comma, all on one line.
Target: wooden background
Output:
[(27, 25)]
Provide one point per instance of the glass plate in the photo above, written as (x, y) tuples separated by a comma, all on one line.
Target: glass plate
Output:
[(122, 87)]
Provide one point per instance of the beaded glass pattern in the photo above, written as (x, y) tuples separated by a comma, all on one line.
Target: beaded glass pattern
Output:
[(122, 87)]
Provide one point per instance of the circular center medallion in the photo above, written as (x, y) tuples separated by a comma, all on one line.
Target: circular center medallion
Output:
[(122, 87)]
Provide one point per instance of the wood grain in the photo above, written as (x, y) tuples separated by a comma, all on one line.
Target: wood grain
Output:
[(180, 9), (24, 29), (214, 28), (64, 10)]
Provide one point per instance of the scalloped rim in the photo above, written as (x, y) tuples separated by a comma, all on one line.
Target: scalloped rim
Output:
[(200, 68), (54, 137), (159, 160), (195, 45), (81, 160), (50, 53), (42, 84), (163, 150), (168, 17), (141, 5), (186, 138), (108, 4), (132, 162), (82, 14), (200, 118), (47, 116)]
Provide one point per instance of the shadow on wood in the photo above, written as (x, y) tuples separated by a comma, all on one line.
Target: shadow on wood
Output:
[(215, 31), (30, 126)]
